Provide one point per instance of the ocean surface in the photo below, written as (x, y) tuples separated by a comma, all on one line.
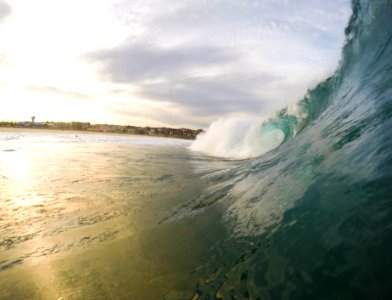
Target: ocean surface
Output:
[(295, 206)]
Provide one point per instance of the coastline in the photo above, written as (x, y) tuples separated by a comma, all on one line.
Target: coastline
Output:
[(78, 132)]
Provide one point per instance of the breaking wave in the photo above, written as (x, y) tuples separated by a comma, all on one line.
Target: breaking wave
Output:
[(311, 210)]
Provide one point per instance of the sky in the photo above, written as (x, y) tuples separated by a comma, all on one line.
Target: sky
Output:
[(180, 63)]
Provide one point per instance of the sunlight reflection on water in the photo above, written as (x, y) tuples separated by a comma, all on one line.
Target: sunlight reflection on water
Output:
[(98, 194)]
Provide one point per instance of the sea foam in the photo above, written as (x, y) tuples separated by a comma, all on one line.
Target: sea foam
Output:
[(238, 138)]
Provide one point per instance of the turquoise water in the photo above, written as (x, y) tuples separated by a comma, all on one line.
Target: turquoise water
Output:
[(312, 219), (119, 217)]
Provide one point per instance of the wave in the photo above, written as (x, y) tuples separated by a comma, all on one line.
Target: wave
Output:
[(241, 138), (343, 123), (238, 138), (310, 212)]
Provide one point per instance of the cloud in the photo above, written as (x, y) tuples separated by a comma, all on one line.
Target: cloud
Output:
[(165, 114), (214, 58), (190, 78), (5, 10), (187, 77), (55, 90), (187, 63), (216, 95), (137, 62)]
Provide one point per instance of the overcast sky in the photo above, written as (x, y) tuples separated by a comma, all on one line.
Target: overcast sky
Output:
[(163, 63)]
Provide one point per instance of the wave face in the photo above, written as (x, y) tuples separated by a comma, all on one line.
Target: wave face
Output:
[(311, 218)]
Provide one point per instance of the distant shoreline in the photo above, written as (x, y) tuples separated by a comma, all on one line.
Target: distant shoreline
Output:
[(82, 132), (85, 127)]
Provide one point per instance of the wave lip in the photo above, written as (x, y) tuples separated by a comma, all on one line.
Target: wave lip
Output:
[(238, 138)]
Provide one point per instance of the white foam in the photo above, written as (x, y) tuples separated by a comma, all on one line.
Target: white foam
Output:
[(237, 138)]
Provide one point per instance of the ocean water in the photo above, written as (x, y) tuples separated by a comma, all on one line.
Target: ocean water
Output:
[(297, 206), (79, 214)]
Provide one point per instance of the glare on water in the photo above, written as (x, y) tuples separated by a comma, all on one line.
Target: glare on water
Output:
[(79, 215)]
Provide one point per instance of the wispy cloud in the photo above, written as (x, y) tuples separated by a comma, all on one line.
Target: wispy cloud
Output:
[(216, 95), (136, 62), (55, 90)]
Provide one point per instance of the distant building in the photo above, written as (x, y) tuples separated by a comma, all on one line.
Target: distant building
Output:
[(80, 125), (135, 130)]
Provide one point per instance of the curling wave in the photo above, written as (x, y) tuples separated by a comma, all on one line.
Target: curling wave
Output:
[(311, 218)]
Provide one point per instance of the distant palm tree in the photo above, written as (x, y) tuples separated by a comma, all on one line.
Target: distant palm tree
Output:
[(32, 120)]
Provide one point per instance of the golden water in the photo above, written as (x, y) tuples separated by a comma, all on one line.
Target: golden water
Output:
[(83, 218)]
